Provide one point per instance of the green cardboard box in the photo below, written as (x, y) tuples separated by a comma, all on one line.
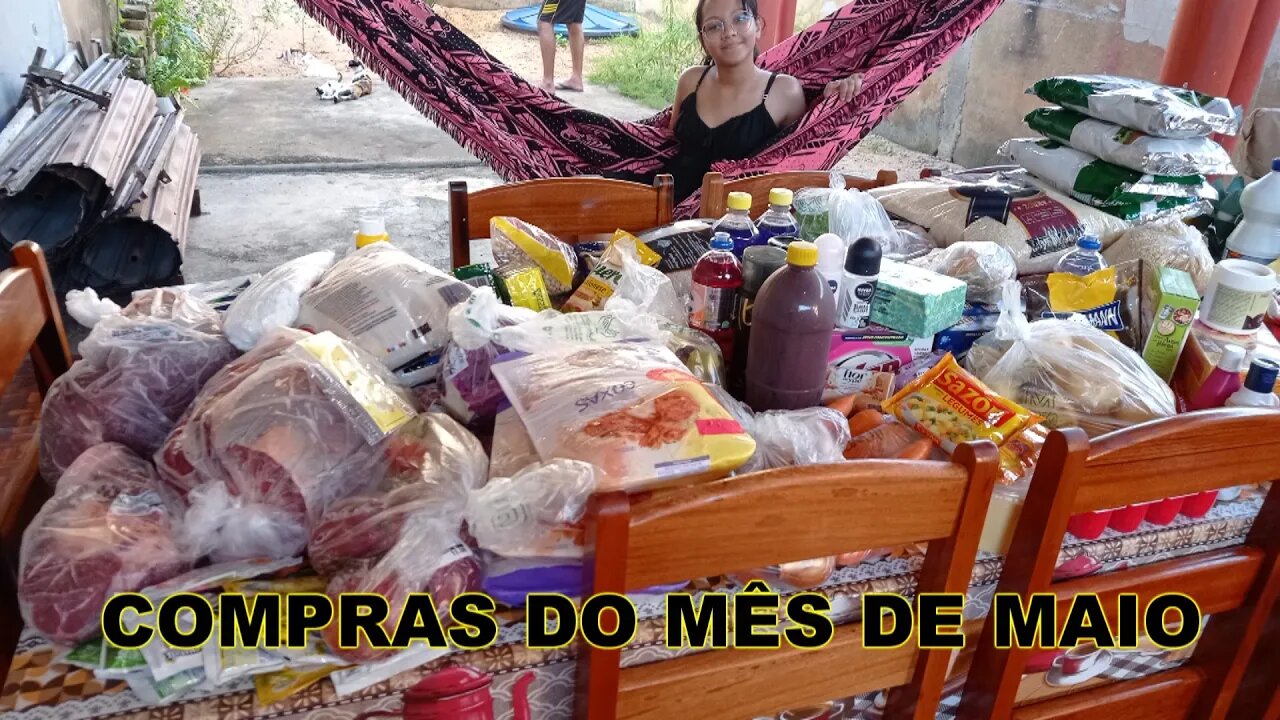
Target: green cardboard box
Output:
[(1175, 308)]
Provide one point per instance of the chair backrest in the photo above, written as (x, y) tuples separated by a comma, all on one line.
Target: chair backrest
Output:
[(1259, 695), (32, 332), (1177, 456), (772, 517), (715, 191), (564, 207)]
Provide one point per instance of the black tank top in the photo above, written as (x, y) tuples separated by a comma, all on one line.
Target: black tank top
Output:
[(739, 137)]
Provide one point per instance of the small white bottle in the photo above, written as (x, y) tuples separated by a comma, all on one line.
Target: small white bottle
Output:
[(1257, 237), (371, 229), (858, 285), (831, 260), (1259, 386)]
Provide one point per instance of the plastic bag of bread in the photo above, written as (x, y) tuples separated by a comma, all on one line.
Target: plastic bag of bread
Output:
[(984, 266), (1035, 224), (1068, 372), (629, 408), (1169, 244)]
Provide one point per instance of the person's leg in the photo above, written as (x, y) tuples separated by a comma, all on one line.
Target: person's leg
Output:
[(547, 43), (577, 46)]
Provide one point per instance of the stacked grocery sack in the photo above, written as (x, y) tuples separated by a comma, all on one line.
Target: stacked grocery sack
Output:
[(1134, 149)]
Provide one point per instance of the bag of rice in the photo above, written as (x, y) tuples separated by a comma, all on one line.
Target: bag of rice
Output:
[(1068, 170), (1036, 225), (1154, 109), (1130, 148), (1169, 244)]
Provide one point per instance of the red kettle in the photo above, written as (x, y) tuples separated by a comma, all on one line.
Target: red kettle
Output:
[(456, 693)]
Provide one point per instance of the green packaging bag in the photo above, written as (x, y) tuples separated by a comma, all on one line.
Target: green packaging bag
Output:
[(1071, 171), (1145, 106), (1130, 148)]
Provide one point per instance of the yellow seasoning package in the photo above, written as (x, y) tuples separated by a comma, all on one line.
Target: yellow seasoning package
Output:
[(276, 686), (1092, 295), (950, 407), (603, 280)]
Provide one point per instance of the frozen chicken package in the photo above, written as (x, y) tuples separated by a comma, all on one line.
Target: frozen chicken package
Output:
[(630, 408), (389, 303), (1035, 224), (1154, 109), (1130, 148)]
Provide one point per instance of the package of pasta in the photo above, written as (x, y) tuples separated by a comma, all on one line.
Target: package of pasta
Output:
[(630, 408), (1130, 148), (516, 242), (1154, 109), (950, 407)]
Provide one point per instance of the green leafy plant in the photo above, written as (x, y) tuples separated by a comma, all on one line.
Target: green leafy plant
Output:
[(646, 67), (178, 59)]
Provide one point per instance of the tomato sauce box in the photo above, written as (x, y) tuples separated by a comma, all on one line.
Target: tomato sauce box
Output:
[(858, 355)]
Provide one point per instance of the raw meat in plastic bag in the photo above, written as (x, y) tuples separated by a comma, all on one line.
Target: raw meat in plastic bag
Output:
[(435, 464), (1069, 372), (110, 527), (535, 512), (428, 557), (140, 370), (629, 408), (470, 391), (274, 300), (389, 303), (299, 432)]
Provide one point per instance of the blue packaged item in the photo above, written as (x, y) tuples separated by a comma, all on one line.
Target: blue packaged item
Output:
[(737, 223), (509, 580), (778, 220), (977, 320)]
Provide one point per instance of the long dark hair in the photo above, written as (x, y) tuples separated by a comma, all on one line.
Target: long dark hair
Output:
[(751, 6)]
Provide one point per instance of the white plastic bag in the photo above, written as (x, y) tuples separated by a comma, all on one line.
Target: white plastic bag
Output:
[(794, 438), (984, 266), (1067, 371), (85, 307), (470, 392), (274, 300), (532, 513), (853, 214), (391, 304), (1169, 244), (643, 289)]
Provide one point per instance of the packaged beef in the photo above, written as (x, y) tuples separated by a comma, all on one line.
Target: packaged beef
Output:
[(273, 300), (629, 408), (470, 392), (109, 528), (1035, 224), (140, 370), (1154, 109), (391, 305), (266, 451)]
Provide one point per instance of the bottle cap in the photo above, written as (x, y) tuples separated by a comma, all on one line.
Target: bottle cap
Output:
[(780, 196), (1262, 376), (1088, 242), (721, 241), (831, 253), (863, 257), (1275, 165), (1232, 359), (372, 225), (758, 263), (739, 201), (802, 253)]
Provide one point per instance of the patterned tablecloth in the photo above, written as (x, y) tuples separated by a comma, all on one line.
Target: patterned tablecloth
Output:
[(39, 687)]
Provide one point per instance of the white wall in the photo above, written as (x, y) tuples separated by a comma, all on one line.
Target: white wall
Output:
[(24, 26)]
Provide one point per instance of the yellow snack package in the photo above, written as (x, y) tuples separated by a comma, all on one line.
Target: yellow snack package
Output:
[(644, 252), (950, 406), (603, 280), (274, 687), (1092, 295), (515, 241)]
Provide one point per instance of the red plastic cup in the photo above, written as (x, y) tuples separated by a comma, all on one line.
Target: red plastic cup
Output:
[(1089, 526), (1164, 511), (1199, 505), (1129, 517)]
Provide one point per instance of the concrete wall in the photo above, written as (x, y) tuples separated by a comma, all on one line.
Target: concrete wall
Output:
[(51, 24), (976, 100)]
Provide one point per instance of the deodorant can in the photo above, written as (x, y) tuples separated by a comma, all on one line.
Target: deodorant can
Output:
[(858, 286)]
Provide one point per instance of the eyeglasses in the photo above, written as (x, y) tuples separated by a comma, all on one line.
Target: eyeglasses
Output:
[(741, 21)]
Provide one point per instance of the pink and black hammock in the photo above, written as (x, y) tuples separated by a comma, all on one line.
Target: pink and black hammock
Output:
[(524, 133)]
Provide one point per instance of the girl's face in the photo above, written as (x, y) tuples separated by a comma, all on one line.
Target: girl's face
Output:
[(728, 31)]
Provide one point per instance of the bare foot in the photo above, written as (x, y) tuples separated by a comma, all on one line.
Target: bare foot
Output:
[(572, 85), (549, 86)]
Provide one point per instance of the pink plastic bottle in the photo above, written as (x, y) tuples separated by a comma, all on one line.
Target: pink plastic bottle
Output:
[(717, 278), (1222, 382)]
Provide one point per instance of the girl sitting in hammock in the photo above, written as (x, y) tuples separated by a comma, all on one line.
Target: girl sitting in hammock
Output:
[(728, 108)]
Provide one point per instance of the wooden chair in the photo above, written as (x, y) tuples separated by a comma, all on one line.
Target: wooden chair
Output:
[(1235, 586), (715, 191), (771, 517), (564, 207), (33, 352), (1259, 695)]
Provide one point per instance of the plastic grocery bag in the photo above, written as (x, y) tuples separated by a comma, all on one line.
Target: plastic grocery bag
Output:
[(1067, 371), (643, 289), (274, 300), (984, 266), (853, 214), (391, 304), (268, 449), (1130, 148), (629, 408), (1168, 244), (140, 370), (470, 392), (109, 528), (534, 513), (1142, 105), (85, 307), (794, 438)]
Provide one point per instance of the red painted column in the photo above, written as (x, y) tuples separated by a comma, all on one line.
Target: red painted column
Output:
[(1253, 56), (1206, 43), (779, 22)]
